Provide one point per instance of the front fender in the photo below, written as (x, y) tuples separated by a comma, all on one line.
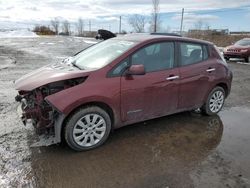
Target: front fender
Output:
[(67, 100)]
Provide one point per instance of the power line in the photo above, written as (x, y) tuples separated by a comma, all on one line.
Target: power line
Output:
[(170, 14), (224, 10)]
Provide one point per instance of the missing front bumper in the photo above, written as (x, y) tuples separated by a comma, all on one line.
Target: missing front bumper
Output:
[(48, 138)]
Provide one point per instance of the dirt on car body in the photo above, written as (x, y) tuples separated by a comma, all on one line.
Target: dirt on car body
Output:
[(183, 150)]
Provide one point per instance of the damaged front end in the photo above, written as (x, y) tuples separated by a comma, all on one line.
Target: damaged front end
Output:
[(37, 110)]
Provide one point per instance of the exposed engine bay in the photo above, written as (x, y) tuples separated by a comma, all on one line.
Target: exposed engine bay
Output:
[(35, 107)]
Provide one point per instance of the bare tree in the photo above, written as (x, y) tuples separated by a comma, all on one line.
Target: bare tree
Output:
[(199, 25), (55, 24), (137, 22), (168, 29), (66, 27), (155, 22), (207, 26), (80, 26)]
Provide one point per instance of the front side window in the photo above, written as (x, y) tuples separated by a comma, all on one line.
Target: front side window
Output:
[(192, 53), (155, 57), (101, 54), (119, 69)]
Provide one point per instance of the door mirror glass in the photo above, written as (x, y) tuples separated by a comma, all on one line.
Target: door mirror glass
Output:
[(136, 70)]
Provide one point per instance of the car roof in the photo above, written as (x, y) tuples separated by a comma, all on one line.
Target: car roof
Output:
[(142, 37)]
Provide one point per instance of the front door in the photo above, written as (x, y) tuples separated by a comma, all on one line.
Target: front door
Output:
[(154, 94)]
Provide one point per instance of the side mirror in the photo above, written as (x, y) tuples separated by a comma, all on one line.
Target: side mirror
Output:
[(136, 70)]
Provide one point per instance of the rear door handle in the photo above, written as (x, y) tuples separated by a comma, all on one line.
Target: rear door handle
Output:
[(172, 78), (211, 69)]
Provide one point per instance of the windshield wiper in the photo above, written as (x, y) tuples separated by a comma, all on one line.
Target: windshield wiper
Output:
[(75, 65)]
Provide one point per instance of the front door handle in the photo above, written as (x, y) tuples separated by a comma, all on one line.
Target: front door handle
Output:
[(170, 78), (211, 70)]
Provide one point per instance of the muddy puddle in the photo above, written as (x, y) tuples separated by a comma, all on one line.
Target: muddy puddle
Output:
[(183, 150)]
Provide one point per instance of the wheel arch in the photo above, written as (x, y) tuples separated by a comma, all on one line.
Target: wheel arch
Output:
[(99, 104), (224, 86), (220, 84)]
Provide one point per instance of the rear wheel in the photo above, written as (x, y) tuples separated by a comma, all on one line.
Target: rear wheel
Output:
[(215, 101), (226, 58), (87, 128)]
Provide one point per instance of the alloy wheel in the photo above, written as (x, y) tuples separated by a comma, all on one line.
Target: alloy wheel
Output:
[(216, 101), (89, 130)]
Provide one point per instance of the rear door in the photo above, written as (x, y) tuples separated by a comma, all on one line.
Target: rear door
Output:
[(155, 93), (196, 73)]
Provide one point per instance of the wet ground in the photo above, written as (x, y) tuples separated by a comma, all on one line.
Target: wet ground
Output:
[(183, 150)]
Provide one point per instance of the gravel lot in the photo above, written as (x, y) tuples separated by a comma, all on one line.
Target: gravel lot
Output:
[(183, 150)]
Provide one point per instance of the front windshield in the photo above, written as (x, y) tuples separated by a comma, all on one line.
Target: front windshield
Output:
[(244, 42), (101, 54)]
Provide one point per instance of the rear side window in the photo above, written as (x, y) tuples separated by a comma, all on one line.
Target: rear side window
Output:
[(155, 57), (192, 53)]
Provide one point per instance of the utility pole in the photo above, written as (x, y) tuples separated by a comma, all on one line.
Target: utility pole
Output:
[(155, 23), (120, 25), (182, 15), (89, 25)]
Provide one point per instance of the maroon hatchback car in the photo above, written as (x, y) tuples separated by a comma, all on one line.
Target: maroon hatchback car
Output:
[(122, 81)]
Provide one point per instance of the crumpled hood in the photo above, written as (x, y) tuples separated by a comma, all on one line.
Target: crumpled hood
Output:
[(49, 74)]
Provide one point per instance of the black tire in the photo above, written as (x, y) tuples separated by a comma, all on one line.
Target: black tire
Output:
[(226, 58), (206, 107), (72, 120), (247, 59)]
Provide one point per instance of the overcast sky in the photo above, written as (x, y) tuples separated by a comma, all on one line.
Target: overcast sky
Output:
[(232, 14)]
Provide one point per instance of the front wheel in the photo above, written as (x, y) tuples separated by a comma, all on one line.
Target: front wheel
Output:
[(247, 59), (87, 128), (215, 101)]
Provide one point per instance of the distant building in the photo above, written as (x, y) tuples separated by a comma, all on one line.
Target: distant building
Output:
[(209, 32), (240, 33), (183, 33)]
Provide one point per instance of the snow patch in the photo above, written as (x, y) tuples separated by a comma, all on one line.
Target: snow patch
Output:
[(47, 43), (6, 62), (242, 63), (90, 42), (17, 34)]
